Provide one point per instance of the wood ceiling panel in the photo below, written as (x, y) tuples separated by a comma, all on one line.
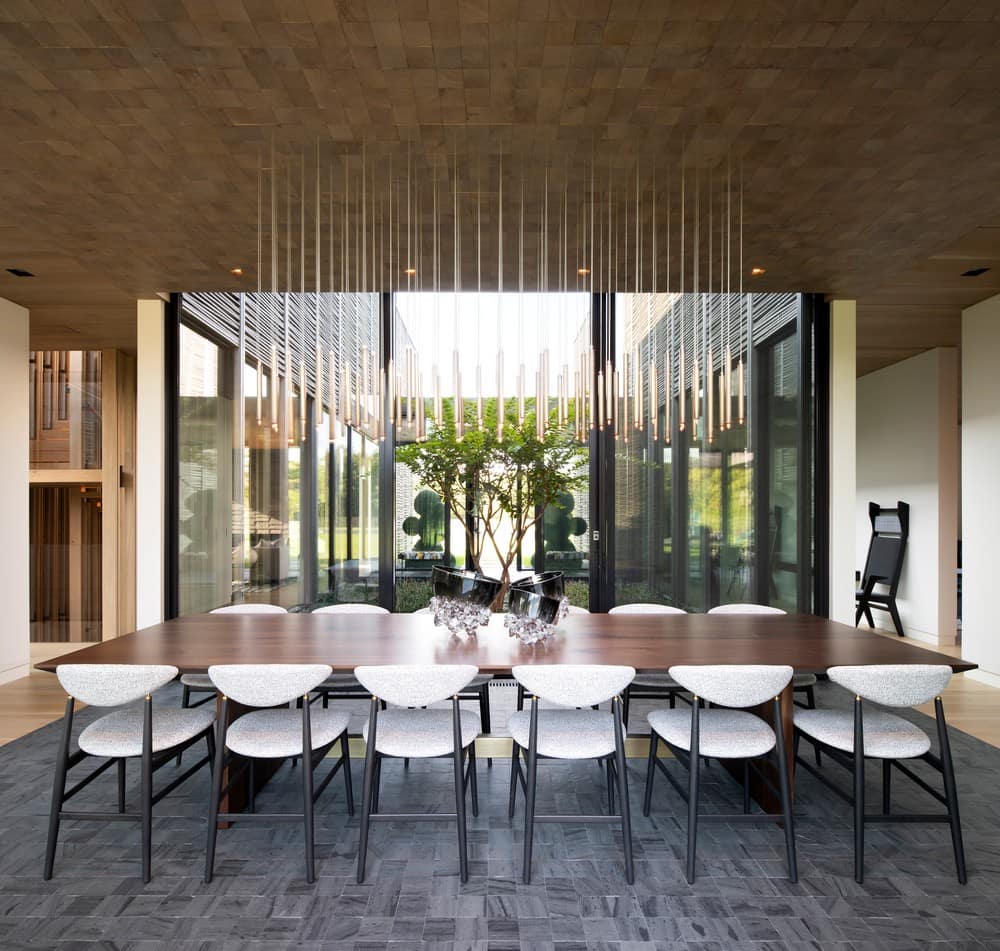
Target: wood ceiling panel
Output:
[(130, 135)]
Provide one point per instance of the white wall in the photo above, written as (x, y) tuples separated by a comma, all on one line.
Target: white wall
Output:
[(908, 450), (980, 479), (843, 375), (14, 576), (149, 462)]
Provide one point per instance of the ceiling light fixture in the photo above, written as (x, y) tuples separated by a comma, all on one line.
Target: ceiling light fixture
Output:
[(236, 271), (583, 271), (757, 271), (19, 272), (410, 271)]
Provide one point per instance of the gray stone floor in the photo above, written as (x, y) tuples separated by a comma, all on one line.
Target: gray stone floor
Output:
[(413, 899)]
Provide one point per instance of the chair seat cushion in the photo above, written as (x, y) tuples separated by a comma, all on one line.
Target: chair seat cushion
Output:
[(272, 734), (566, 734), (120, 733), (197, 681), (887, 736), (722, 734), (803, 680), (655, 681), (421, 733)]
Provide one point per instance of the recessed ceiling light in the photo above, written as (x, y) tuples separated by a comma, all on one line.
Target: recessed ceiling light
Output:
[(757, 271), (583, 271), (409, 271), (19, 272), (974, 271), (236, 271)]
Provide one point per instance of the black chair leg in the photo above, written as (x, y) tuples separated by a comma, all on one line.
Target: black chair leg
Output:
[(252, 786), (473, 780), (58, 790), (785, 789), (185, 703), (367, 792), (886, 786), (515, 765), (213, 805), (146, 806), (623, 804), (950, 791), (626, 705), (307, 817), (345, 752), (484, 716), (647, 798), (810, 698), (896, 620), (610, 775), (692, 832), (529, 798), (746, 787), (121, 785), (859, 816)]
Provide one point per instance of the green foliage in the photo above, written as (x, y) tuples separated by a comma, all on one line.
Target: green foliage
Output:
[(412, 595), (578, 593), (558, 524), (428, 523), (493, 476)]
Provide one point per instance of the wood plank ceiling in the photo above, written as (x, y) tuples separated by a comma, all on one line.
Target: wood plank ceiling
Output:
[(868, 132)]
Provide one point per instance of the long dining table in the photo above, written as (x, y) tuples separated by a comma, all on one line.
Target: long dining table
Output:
[(650, 643)]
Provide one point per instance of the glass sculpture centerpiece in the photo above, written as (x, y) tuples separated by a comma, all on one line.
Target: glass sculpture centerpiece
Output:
[(462, 599), (535, 605)]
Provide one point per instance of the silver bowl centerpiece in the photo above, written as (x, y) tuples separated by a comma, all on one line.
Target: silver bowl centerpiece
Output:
[(462, 599), (535, 605)]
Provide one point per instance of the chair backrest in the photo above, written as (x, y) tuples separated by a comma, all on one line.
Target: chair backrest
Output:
[(890, 530), (893, 685), (422, 611), (745, 609), (249, 608), (111, 685), (573, 609), (574, 685), (646, 609), (267, 685), (415, 685), (351, 608), (733, 685)]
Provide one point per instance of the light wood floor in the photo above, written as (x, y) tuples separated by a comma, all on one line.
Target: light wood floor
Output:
[(33, 701)]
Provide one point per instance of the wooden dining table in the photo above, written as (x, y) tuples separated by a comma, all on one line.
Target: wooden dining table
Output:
[(651, 643)]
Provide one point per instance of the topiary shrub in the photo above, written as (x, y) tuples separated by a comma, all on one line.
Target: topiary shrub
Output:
[(428, 523)]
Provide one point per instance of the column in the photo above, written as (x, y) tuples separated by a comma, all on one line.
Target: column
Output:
[(980, 468), (150, 461), (842, 426), (14, 553)]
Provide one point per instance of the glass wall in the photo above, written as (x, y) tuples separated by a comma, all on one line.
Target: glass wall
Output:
[(490, 346), (684, 514), (205, 477), (280, 503)]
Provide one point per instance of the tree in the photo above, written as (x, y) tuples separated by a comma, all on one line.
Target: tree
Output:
[(484, 478)]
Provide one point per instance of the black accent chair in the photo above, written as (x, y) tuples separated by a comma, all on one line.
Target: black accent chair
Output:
[(884, 564)]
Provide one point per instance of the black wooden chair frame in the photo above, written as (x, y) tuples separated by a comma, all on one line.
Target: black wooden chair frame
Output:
[(691, 760), (149, 764), (855, 765), (465, 782), (617, 780), (875, 573), (223, 758)]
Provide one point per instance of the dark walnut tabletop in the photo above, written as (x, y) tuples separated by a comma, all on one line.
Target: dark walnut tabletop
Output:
[(647, 642)]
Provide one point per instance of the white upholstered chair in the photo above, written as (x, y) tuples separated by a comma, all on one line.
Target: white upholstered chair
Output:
[(202, 683), (350, 607), (571, 734), (575, 609), (408, 730), (889, 738), (801, 683), (650, 686), (134, 731), (268, 733), (726, 731)]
